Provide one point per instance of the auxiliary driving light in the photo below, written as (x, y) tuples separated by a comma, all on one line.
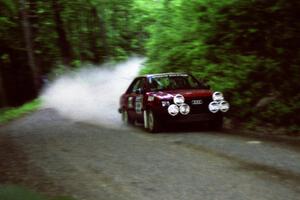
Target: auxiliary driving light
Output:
[(213, 106), (173, 109), (184, 109), (178, 99), (224, 106), (218, 96)]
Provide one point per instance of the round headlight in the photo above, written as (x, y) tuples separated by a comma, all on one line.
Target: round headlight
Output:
[(184, 109), (178, 99), (217, 96), (173, 110), (213, 106), (224, 106)]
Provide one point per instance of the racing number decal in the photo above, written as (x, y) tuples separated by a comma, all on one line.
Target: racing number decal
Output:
[(130, 105), (138, 104)]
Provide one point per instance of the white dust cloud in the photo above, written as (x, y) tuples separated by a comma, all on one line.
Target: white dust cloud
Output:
[(92, 94)]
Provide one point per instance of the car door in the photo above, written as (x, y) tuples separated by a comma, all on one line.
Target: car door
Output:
[(135, 98)]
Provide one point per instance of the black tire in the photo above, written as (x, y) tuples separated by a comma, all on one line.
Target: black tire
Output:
[(153, 125), (126, 118), (145, 119)]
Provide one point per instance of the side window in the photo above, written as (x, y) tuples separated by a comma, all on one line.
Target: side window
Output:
[(143, 83), (138, 83), (129, 90)]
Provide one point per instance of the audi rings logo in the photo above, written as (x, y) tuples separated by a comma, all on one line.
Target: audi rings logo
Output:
[(197, 102)]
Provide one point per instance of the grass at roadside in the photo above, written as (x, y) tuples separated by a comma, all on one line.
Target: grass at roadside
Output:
[(13, 113), (12, 192)]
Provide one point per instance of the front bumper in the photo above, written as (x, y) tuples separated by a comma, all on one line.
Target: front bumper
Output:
[(202, 117), (189, 118)]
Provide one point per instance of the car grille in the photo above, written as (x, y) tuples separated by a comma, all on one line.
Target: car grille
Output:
[(197, 108)]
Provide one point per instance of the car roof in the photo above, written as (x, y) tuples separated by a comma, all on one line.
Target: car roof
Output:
[(164, 74)]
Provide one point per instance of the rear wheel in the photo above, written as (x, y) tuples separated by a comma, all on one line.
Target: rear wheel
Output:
[(145, 117), (152, 122), (126, 118)]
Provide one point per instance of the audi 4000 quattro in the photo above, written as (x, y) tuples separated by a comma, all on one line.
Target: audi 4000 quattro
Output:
[(157, 99)]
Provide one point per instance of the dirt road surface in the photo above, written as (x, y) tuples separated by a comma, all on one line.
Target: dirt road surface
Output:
[(55, 155)]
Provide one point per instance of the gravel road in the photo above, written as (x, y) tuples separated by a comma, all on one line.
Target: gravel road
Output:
[(90, 162)]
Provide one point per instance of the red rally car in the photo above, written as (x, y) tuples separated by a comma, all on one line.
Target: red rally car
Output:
[(157, 99)]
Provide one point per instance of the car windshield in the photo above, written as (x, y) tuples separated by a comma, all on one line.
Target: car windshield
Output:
[(173, 82)]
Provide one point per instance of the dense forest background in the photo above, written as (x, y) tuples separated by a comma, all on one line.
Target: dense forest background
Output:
[(247, 49)]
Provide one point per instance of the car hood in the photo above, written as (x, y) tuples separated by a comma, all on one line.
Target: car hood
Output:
[(187, 93)]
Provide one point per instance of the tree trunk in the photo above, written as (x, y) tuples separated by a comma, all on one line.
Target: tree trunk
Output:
[(3, 101), (93, 35), (29, 44), (103, 36), (98, 43), (63, 43), (34, 27)]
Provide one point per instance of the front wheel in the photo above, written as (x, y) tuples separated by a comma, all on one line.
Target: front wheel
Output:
[(151, 122)]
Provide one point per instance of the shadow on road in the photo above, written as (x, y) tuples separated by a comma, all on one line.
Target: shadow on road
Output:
[(202, 128)]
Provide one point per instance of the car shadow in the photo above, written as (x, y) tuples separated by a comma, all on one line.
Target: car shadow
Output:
[(202, 128), (181, 128)]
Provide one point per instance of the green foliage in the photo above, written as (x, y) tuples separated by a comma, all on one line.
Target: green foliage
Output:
[(95, 30), (9, 114), (64, 33), (12, 192), (18, 193), (247, 49)]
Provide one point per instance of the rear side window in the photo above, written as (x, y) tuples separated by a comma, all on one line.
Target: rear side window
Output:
[(136, 84)]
